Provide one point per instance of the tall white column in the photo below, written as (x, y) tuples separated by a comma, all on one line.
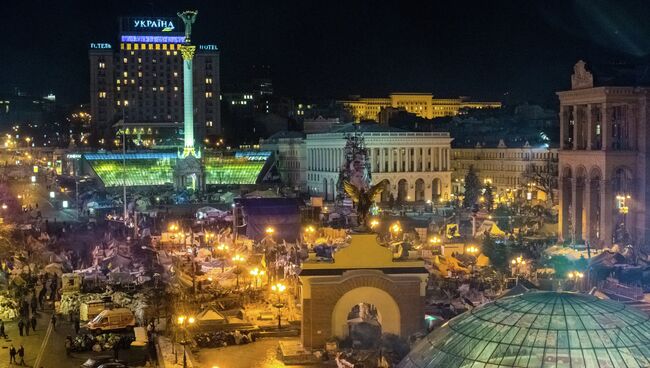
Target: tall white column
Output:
[(187, 51)]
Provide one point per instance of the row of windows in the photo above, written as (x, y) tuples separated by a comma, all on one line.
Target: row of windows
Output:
[(502, 155)]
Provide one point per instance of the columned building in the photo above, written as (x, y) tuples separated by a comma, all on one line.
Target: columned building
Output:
[(603, 161), (424, 105), (417, 164)]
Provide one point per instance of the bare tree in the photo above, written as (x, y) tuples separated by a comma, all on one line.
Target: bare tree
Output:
[(542, 177)]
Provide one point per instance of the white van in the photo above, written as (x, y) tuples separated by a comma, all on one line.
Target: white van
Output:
[(112, 319)]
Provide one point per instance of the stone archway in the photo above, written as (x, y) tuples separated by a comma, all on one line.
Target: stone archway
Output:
[(385, 194), (419, 190), (593, 208), (380, 299), (436, 190), (402, 190), (566, 203)]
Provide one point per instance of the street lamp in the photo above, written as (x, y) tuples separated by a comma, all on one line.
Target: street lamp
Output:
[(516, 263), (575, 276), (374, 223), (269, 230), (184, 323), (222, 250), (257, 274), (237, 260), (279, 289), (395, 229)]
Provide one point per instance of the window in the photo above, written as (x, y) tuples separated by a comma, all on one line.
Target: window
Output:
[(208, 123), (125, 60), (208, 80), (102, 65), (103, 94), (208, 94), (125, 74)]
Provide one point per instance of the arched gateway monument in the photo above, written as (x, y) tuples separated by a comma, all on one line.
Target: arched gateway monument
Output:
[(364, 283)]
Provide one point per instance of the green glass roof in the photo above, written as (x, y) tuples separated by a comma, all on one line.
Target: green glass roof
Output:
[(232, 170), (151, 169), (137, 172), (539, 329)]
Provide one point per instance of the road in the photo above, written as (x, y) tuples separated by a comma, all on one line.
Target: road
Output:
[(37, 193), (260, 354)]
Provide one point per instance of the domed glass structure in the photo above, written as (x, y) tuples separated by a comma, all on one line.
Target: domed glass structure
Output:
[(539, 329)]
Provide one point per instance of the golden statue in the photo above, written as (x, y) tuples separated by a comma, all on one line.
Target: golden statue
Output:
[(364, 199)]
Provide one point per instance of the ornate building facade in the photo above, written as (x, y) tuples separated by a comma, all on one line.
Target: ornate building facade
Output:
[(416, 164), (423, 105), (505, 168), (603, 161)]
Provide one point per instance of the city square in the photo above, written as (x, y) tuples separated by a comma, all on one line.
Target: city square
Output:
[(218, 186)]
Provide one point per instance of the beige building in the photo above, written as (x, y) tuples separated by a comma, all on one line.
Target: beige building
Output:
[(603, 161), (423, 105), (504, 167), (290, 156)]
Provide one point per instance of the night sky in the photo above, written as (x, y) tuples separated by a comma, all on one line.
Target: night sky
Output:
[(484, 49)]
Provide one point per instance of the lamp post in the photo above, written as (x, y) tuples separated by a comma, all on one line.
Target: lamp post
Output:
[(237, 260), (516, 263), (222, 250), (576, 277), (395, 229), (257, 274), (279, 289), (184, 323)]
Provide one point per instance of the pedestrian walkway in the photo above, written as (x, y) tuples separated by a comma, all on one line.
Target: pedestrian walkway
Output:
[(31, 343)]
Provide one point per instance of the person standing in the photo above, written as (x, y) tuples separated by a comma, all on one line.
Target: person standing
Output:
[(68, 345), (53, 321), (21, 325), (21, 355), (12, 355), (2, 329), (76, 326), (33, 322)]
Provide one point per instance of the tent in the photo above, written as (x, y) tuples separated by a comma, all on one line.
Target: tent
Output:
[(210, 213), (210, 317), (490, 227), (282, 214)]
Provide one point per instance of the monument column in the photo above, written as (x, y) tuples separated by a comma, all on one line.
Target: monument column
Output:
[(187, 51), (188, 98)]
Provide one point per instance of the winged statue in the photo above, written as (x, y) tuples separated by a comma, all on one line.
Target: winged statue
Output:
[(363, 198)]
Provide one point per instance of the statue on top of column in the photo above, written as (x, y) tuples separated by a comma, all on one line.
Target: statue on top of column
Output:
[(188, 17)]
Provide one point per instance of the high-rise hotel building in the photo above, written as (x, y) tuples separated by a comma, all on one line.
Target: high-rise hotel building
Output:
[(140, 78)]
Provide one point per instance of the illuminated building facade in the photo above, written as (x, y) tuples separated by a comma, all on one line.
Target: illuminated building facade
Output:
[(504, 167), (423, 105), (290, 157), (417, 164), (141, 78), (603, 159)]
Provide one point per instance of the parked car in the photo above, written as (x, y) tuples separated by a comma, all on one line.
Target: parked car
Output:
[(101, 361)]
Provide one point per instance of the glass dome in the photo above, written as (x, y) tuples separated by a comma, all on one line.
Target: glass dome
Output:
[(539, 329)]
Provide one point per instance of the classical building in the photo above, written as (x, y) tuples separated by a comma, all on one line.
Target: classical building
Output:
[(290, 153), (363, 286), (603, 159), (504, 167), (141, 79), (423, 105), (417, 164)]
